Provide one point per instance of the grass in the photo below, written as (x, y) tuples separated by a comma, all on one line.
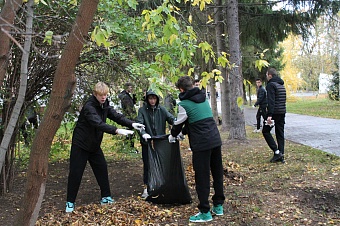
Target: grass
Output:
[(321, 107)]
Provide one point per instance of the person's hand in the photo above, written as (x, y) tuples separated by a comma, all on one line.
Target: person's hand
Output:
[(180, 136), (138, 126), (124, 132), (172, 139), (146, 136)]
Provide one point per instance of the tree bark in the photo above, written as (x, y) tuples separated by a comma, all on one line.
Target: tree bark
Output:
[(221, 47), (62, 90), (7, 16), (237, 129)]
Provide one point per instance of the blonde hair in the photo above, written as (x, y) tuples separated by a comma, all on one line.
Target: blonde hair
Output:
[(101, 88)]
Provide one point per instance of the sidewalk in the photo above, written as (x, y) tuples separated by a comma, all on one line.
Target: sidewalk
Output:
[(316, 132)]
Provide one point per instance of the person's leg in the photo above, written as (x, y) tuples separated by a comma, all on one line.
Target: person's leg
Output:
[(217, 174), (78, 160), (201, 164), (269, 138), (145, 157), (99, 168), (258, 119), (279, 132)]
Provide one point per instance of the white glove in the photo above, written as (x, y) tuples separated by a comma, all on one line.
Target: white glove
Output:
[(146, 136), (138, 126), (180, 136), (172, 139), (124, 132)]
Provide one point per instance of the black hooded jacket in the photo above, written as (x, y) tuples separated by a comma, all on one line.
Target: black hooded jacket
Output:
[(91, 124), (154, 118), (276, 96)]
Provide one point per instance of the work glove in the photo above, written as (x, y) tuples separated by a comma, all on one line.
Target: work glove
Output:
[(146, 136), (138, 126), (124, 132), (180, 136), (172, 139)]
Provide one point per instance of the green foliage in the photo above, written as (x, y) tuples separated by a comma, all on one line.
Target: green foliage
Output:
[(333, 93)]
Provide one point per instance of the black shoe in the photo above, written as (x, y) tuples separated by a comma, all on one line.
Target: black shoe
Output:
[(283, 159), (277, 157)]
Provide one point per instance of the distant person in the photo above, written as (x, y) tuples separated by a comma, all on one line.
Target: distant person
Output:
[(154, 117), (205, 142), (197, 83), (86, 141), (128, 101), (276, 113), (261, 102)]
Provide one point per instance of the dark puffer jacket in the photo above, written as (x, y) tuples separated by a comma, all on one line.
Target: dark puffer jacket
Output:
[(261, 97), (154, 118), (91, 124), (276, 96)]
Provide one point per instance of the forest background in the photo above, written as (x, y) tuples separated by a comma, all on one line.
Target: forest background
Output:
[(52, 52)]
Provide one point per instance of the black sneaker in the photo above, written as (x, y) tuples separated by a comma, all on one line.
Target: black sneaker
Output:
[(277, 158)]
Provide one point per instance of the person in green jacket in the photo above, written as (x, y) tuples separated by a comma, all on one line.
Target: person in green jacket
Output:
[(154, 117), (205, 142)]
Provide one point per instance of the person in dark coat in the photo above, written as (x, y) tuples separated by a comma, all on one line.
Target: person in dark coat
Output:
[(128, 101), (154, 117), (86, 141), (262, 103), (276, 113), (205, 142)]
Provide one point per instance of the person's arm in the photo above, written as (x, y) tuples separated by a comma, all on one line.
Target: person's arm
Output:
[(96, 121), (260, 96), (179, 122), (140, 119), (119, 118), (270, 99)]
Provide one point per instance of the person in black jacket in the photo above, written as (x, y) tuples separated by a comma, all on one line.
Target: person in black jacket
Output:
[(262, 103), (276, 113), (86, 141), (154, 117), (128, 101), (205, 142)]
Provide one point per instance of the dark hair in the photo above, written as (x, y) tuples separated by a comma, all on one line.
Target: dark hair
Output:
[(272, 72), (197, 80), (258, 79), (126, 85), (185, 83)]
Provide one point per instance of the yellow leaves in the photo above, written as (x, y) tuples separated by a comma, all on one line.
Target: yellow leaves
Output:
[(190, 18), (210, 19)]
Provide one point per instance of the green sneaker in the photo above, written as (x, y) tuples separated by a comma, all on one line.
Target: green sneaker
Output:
[(217, 210), (201, 217)]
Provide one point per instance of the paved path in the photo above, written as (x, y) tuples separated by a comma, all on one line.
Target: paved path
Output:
[(316, 132)]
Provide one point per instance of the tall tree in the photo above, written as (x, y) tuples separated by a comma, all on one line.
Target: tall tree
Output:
[(237, 129), (62, 90)]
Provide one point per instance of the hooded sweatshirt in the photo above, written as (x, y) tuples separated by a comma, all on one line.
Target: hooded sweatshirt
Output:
[(276, 96), (195, 113), (154, 118)]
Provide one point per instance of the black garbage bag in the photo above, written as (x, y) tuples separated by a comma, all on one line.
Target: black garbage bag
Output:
[(167, 182)]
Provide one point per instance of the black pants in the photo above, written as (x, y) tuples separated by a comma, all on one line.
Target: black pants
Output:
[(261, 111), (78, 160), (203, 163), (279, 120), (145, 157)]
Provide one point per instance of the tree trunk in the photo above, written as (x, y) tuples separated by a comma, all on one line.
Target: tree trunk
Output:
[(237, 129), (221, 47), (5, 142), (7, 16), (62, 90)]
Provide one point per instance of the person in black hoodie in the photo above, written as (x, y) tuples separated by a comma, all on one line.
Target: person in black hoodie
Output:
[(86, 141), (276, 113), (262, 103), (205, 142), (154, 117)]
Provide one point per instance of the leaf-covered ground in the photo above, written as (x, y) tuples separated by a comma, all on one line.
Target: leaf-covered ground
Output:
[(305, 191)]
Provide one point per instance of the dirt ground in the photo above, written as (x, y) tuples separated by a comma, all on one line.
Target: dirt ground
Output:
[(300, 198)]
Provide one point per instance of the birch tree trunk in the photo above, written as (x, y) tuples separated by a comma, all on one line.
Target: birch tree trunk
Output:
[(62, 90), (23, 85), (237, 129), (221, 47)]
